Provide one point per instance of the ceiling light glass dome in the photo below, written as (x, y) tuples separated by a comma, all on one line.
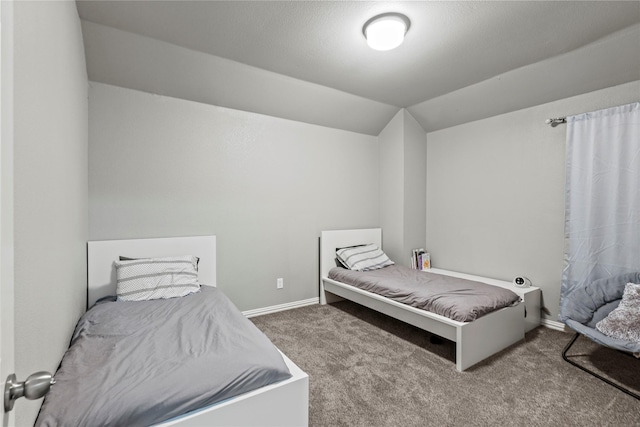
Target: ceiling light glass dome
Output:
[(386, 31)]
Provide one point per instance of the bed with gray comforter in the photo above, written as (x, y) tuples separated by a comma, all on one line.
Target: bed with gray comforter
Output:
[(458, 299), (143, 362)]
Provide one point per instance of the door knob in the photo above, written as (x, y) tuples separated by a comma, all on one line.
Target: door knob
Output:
[(35, 386)]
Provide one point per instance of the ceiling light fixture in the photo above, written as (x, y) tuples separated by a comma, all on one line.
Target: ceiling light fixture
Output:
[(386, 31)]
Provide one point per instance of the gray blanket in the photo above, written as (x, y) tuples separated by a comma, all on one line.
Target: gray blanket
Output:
[(142, 362), (458, 299)]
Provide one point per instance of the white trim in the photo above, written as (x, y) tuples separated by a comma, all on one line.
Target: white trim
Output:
[(552, 324), (281, 307)]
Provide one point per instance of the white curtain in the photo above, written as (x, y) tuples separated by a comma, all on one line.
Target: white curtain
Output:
[(602, 195)]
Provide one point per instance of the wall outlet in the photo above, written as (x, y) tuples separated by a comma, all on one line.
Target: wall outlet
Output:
[(280, 283)]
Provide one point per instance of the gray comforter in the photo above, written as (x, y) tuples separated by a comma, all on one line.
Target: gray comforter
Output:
[(143, 362), (458, 299)]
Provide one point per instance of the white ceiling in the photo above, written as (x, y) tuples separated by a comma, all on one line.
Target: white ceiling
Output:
[(316, 49)]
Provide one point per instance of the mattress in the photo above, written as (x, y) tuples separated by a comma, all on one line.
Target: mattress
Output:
[(138, 363), (458, 299)]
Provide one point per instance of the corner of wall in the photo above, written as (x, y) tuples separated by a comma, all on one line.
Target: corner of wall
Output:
[(392, 186), (403, 186)]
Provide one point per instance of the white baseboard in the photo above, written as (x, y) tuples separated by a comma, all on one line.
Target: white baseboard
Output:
[(552, 324), (281, 307)]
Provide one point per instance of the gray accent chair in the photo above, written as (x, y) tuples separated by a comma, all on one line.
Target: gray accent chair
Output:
[(585, 306)]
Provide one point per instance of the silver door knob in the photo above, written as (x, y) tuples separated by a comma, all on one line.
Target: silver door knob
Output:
[(35, 386)]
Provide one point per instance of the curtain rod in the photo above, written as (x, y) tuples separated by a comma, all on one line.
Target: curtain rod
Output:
[(556, 121)]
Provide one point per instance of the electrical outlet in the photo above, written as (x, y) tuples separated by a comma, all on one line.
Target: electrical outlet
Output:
[(280, 283)]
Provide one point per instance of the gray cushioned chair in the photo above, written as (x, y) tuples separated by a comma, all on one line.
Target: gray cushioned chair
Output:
[(585, 306)]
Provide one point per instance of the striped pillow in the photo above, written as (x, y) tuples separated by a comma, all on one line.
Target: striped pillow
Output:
[(156, 278), (363, 258)]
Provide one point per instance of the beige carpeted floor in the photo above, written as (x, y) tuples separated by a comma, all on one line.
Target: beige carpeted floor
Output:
[(366, 369)]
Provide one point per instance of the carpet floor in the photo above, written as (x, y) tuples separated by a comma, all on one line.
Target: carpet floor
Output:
[(367, 369)]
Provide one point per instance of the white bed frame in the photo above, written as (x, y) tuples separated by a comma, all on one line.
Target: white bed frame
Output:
[(285, 403), (475, 341)]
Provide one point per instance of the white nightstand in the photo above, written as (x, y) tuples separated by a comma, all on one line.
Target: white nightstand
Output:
[(531, 295)]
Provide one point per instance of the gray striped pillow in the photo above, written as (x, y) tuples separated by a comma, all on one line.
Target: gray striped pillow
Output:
[(363, 258), (156, 278)]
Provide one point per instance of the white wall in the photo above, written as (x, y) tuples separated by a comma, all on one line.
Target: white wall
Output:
[(161, 166), (495, 192), (50, 186)]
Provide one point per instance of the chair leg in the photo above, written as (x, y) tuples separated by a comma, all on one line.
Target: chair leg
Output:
[(606, 380)]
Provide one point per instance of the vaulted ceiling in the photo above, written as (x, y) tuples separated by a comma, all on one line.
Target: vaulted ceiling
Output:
[(308, 60)]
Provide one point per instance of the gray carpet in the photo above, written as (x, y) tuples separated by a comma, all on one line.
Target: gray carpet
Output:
[(366, 369)]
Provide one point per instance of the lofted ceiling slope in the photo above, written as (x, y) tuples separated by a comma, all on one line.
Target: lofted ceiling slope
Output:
[(308, 60)]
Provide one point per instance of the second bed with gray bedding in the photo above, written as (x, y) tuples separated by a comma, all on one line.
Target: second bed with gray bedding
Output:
[(138, 363), (458, 299)]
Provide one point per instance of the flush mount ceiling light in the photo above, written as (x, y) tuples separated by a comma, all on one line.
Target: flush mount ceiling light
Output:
[(386, 31)]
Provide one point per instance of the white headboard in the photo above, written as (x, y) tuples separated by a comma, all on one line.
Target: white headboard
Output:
[(101, 255), (330, 240)]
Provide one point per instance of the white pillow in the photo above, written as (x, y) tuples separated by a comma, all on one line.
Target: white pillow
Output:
[(156, 278), (363, 258), (624, 322)]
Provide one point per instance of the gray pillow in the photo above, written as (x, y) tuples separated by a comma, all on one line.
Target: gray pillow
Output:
[(624, 322)]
